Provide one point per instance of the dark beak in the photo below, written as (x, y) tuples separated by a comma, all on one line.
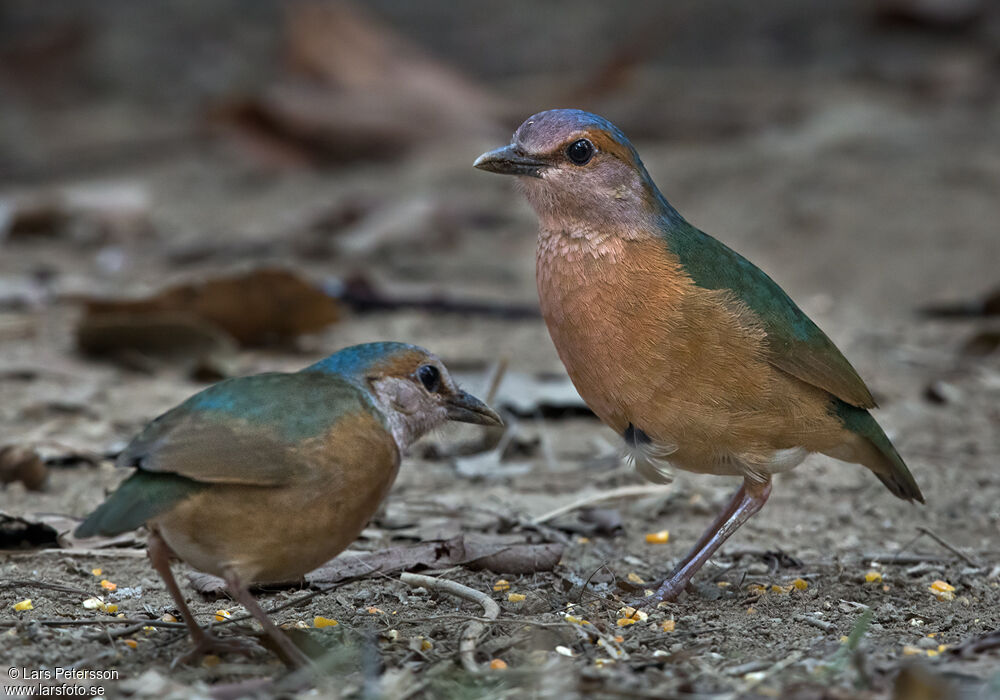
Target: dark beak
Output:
[(466, 408), (510, 160)]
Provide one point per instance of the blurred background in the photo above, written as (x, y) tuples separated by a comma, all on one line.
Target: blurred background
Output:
[(191, 190)]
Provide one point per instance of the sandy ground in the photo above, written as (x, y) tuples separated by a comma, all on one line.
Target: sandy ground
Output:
[(869, 203)]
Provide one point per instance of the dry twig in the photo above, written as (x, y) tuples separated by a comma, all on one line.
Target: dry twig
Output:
[(622, 492), (472, 632), (949, 546)]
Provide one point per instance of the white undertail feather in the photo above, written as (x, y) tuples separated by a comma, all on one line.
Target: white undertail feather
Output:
[(652, 460)]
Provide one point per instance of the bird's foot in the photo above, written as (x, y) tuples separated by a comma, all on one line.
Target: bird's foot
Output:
[(667, 592), (208, 643)]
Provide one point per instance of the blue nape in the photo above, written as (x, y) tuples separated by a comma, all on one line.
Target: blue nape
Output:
[(357, 359)]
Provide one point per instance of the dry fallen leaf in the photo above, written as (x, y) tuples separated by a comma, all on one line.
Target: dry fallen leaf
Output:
[(20, 463), (263, 306), (359, 90), (497, 553)]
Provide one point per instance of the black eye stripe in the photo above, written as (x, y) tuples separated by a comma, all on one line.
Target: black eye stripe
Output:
[(430, 377), (580, 151)]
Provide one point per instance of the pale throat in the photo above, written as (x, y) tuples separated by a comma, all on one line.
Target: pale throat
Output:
[(407, 410)]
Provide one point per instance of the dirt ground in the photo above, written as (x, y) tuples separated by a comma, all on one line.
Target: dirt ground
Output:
[(866, 187)]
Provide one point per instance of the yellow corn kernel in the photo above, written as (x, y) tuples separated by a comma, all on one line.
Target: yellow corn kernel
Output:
[(501, 585), (167, 617), (910, 650), (932, 652), (942, 647), (97, 572), (107, 585), (668, 625), (756, 589), (148, 629), (873, 577), (940, 586), (498, 665), (110, 608), (625, 621), (130, 643), (222, 615), (775, 588), (320, 621), (426, 644), (723, 584), (572, 619), (635, 578), (661, 537), (24, 605), (516, 597), (800, 584), (633, 614), (372, 610), (583, 540)]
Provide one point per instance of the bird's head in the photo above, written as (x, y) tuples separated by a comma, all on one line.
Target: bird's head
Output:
[(574, 165), (411, 386)]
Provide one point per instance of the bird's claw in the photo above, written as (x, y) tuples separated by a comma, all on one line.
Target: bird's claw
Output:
[(211, 644), (666, 592)]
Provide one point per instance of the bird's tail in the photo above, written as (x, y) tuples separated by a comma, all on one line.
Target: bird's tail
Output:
[(140, 497), (872, 448)]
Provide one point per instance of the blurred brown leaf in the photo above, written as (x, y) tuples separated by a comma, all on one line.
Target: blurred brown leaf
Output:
[(263, 306), (987, 305), (20, 463), (87, 213), (358, 90)]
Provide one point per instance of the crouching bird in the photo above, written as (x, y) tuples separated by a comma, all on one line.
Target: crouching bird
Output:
[(686, 349), (263, 478)]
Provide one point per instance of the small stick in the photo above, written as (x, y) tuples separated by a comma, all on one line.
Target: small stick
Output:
[(467, 643), (35, 583), (621, 492), (905, 559), (497, 379), (815, 622), (114, 621), (949, 546)]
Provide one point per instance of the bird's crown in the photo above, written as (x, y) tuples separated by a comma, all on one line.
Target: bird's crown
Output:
[(555, 131)]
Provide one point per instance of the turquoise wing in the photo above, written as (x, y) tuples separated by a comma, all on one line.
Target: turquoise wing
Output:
[(795, 344), (239, 431)]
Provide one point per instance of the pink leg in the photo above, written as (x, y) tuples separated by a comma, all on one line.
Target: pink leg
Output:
[(293, 654), (204, 642), (745, 503)]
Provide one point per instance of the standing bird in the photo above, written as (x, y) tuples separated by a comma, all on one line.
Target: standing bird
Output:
[(692, 354), (263, 478)]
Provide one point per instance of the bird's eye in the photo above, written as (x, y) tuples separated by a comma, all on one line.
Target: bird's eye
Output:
[(580, 151), (430, 377)]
